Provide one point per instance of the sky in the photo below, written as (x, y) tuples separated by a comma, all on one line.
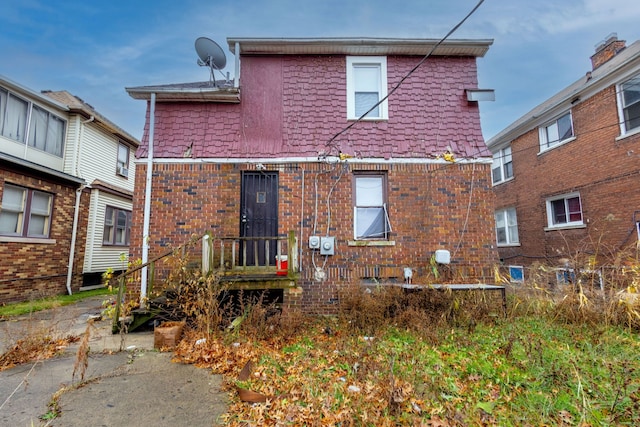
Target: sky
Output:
[(95, 50)]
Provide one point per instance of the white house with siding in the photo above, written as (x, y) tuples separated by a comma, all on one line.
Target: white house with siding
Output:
[(52, 145)]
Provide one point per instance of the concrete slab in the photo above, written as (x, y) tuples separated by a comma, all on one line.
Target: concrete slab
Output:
[(127, 383)]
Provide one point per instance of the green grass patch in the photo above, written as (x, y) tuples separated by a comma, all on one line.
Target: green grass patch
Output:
[(26, 307)]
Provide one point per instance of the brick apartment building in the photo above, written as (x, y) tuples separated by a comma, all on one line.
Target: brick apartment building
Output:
[(566, 175), (285, 147)]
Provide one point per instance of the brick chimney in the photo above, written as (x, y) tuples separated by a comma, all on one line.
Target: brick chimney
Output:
[(607, 49)]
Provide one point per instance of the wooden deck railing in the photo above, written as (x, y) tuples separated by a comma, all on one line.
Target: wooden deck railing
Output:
[(246, 258), (250, 255)]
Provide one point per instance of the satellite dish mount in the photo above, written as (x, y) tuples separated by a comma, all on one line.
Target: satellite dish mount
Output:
[(210, 55)]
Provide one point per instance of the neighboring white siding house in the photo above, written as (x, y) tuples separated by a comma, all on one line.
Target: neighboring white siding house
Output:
[(61, 163), (103, 155)]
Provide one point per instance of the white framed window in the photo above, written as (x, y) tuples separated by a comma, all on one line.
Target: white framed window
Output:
[(366, 86), (122, 168), (629, 93), (556, 132), (25, 212), (117, 227), (46, 131), (564, 211), (502, 168), (506, 227), (370, 216), (13, 116)]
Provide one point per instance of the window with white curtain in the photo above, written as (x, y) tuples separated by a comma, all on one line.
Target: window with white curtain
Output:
[(371, 220), (25, 212), (366, 87), (46, 131), (13, 116), (506, 227)]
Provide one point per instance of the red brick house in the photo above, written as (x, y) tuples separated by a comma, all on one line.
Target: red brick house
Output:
[(284, 147), (566, 174)]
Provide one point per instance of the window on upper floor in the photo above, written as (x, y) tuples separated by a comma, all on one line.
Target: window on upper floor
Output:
[(46, 130), (25, 212), (502, 168), (123, 160), (506, 227), (366, 86), (564, 211), (630, 101), (371, 219), (556, 132), (13, 116), (117, 226)]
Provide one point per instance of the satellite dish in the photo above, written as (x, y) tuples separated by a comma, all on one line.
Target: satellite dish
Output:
[(211, 55)]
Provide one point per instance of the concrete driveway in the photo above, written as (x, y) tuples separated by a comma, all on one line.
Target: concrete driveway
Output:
[(126, 383)]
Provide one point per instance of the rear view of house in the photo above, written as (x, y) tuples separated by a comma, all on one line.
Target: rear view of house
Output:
[(566, 174), (66, 190), (367, 151)]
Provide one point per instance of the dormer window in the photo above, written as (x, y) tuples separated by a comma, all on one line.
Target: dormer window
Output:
[(366, 86)]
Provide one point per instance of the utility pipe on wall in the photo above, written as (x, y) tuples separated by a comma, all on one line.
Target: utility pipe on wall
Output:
[(147, 204), (76, 212)]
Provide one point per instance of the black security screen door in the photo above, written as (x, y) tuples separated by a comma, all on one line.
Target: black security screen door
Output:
[(259, 214)]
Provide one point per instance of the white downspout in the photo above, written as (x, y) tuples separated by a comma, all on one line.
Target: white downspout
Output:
[(76, 212), (147, 204), (74, 231)]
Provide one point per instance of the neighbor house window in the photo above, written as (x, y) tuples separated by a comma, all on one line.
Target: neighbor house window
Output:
[(13, 116), (502, 168), (366, 86), (123, 160), (371, 220), (25, 212), (117, 226), (556, 132), (46, 131), (564, 211), (506, 227), (630, 99)]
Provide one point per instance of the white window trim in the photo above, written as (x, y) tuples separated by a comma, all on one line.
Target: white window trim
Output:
[(376, 60), (502, 167), (568, 224), (542, 137), (506, 219), (624, 132)]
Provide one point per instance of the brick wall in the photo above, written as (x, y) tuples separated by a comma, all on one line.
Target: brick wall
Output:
[(34, 270), (431, 206), (604, 169)]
